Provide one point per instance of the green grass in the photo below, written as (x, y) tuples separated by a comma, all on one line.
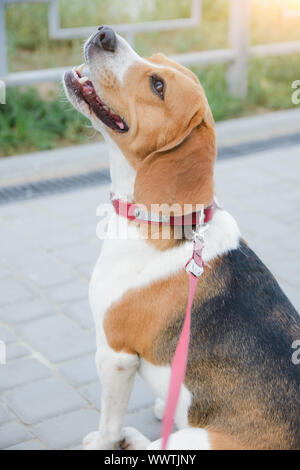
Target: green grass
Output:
[(29, 123), (39, 118)]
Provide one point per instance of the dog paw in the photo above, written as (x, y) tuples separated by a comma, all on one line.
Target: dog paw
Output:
[(94, 441), (134, 440), (159, 408)]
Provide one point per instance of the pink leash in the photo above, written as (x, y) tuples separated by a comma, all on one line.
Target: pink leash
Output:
[(179, 364), (195, 268)]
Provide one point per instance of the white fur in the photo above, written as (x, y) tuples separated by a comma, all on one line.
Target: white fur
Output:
[(116, 373), (158, 379), (185, 439), (117, 62), (121, 172)]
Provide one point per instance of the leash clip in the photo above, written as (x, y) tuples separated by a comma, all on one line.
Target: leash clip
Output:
[(196, 264)]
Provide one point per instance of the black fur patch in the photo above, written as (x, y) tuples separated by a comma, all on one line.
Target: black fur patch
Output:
[(240, 370)]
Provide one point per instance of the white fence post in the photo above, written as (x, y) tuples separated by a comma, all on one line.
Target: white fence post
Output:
[(239, 40), (53, 18), (3, 49), (130, 36)]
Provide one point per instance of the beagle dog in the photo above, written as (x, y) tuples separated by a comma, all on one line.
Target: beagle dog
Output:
[(241, 389)]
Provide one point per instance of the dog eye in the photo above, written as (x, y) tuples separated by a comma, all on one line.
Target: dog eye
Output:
[(158, 85)]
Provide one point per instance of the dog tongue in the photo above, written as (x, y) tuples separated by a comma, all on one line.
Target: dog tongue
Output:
[(120, 124), (118, 121)]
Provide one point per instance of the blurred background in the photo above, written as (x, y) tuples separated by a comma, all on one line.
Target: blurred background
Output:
[(38, 117)]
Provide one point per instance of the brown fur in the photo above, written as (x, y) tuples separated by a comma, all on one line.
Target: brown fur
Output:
[(134, 323), (183, 174)]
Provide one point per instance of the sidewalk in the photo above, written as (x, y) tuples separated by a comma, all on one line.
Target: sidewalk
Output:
[(49, 391), (241, 132)]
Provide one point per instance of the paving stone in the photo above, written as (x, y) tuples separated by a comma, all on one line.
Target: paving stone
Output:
[(12, 291), (290, 245), (86, 270), (5, 415), (29, 445), (288, 271), (58, 237), (3, 273), (16, 351), (71, 291), (6, 335), (53, 233), (141, 396), (80, 371), (145, 421), (67, 430), (15, 245), (26, 311), (21, 372), (13, 433), (40, 401), (293, 295), (93, 393), (80, 311), (82, 252), (43, 269), (57, 337)]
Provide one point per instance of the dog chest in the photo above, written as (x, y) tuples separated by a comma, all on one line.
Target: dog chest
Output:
[(129, 263)]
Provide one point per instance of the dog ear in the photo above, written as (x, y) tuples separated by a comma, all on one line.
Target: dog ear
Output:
[(183, 171)]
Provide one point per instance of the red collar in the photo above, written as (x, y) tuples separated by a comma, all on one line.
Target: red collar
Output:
[(133, 212)]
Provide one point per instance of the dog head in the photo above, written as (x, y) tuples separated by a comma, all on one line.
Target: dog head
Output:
[(156, 112)]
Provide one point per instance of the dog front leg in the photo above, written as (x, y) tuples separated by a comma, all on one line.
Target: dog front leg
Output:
[(117, 372)]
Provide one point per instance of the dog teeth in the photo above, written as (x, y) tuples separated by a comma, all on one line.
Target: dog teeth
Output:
[(80, 68), (83, 80)]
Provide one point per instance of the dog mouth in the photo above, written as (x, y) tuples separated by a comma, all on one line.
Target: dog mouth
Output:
[(85, 91)]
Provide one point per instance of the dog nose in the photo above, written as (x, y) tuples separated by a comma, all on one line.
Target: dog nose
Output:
[(106, 38)]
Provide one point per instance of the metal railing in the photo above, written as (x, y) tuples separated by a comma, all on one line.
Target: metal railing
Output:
[(237, 56)]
